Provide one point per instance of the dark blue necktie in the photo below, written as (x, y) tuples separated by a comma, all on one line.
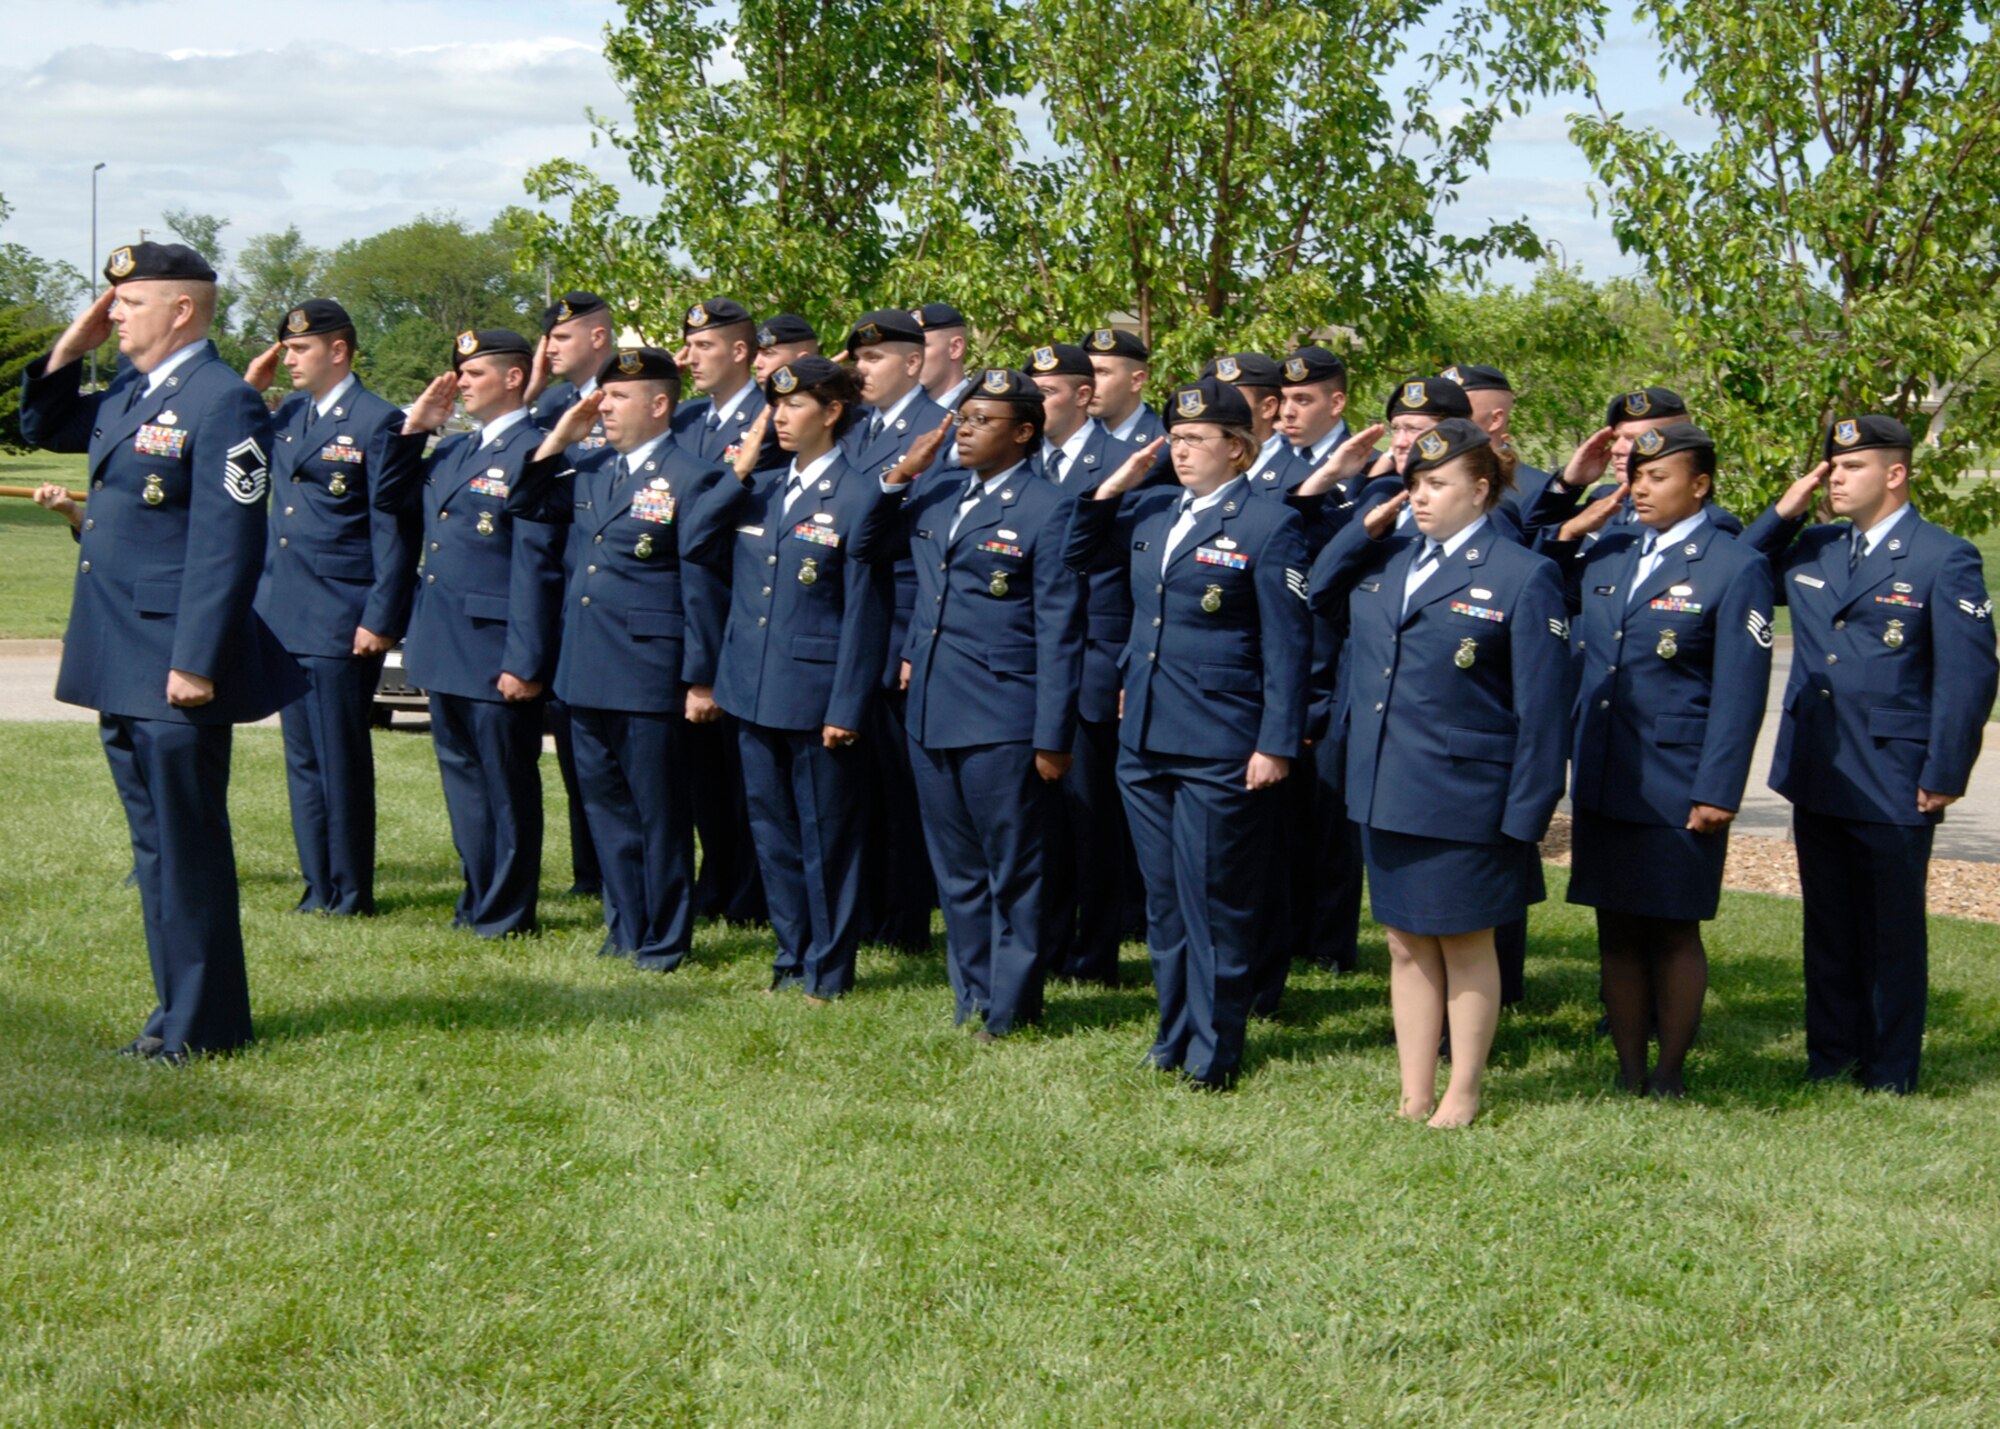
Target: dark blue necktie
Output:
[(1857, 547)]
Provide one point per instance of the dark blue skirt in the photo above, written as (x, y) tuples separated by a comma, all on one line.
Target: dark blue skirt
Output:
[(1645, 869), (1439, 886)]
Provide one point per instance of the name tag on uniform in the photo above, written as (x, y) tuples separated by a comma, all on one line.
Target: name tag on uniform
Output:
[(489, 486), (1604, 590), (1142, 545), (818, 535), (333, 451), (154, 440), (1371, 586), (654, 506), (1000, 548), (749, 530), (1210, 556), (1814, 581), (1478, 612)]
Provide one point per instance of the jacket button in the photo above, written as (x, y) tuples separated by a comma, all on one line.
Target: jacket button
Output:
[(85, 567), (284, 541), (1156, 622), (1617, 635), (90, 524), (444, 516), (98, 484), (290, 509), (586, 600), (1159, 590), (1826, 694), (1604, 704), (597, 540), (767, 590), (944, 565), (1385, 672), (434, 545), (761, 620), (770, 560), (430, 580), (1610, 669), (1840, 625), (590, 570), (1832, 659)]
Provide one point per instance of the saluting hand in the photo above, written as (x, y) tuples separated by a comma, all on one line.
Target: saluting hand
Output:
[(576, 423), (90, 330), (263, 368), (1594, 516), (1381, 520), (433, 409), (749, 448), (1131, 472), (917, 460), (538, 372), (1589, 460), (1344, 461), (1800, 495)]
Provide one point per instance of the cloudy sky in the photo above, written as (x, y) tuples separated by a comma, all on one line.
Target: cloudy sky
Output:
[(346, 120)]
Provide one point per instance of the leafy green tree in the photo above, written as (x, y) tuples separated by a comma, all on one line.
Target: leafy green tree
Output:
[(1233, 172), (1832, 249), (1567, 345), (413, 288), (25, 334), (276, 271)]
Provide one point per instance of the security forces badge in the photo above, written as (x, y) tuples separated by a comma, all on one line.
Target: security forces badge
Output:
[(1846, 432), (122, 263), (1189, 403), (1431, 446), (1649, 443)]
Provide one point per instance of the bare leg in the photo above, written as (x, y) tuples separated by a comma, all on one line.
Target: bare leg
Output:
[(1416, 1001), (1472, 976), (1624, 950)]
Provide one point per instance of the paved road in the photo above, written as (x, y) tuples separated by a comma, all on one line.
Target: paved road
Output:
[(1970, 831)]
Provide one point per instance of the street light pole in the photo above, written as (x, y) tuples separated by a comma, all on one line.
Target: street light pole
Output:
[(93, 259)]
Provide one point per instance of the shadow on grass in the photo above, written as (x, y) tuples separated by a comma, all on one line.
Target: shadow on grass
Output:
[(494, 1004)]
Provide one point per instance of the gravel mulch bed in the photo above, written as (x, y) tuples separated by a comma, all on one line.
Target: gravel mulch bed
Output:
[(1765, 865)]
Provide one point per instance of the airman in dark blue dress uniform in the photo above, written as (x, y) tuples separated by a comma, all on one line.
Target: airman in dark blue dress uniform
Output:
[(1672, 626), (1893, 676), (163, 641), (640, 635), (483, 642), (1122, 364), (1627, 416), (1326, 875), (943, 376), (1215, 698), (1459, 712), (339, 579), (1094, 892), (801, 663), (994, 657), (719, 350), (781, 340), (897, 894), (577, 340)]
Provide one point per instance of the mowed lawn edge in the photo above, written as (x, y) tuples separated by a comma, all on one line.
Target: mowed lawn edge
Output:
[(520, 1184)]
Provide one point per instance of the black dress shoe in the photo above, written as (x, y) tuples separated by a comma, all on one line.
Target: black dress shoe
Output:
[(141, 1047), (166, 1058)]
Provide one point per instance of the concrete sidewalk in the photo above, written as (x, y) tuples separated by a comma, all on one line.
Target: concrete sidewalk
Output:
[(1970, 831)]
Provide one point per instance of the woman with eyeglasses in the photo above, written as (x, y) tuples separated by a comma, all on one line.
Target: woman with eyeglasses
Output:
[(1213, 700), (1459, 721)]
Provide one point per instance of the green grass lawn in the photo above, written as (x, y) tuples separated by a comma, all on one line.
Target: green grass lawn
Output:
[(37, 556), (522, 1185)]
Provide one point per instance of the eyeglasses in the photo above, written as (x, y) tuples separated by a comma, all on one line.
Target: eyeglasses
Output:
[(978, 421), (1193, 439)]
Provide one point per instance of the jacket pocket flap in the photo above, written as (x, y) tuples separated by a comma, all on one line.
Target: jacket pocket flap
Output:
[(1241, 679), (345, 568), (816, 648), (1680, 729), (1483, 744), (1899, 724), (1011, 659), (487, 607), (156, 597), (654, 623)]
